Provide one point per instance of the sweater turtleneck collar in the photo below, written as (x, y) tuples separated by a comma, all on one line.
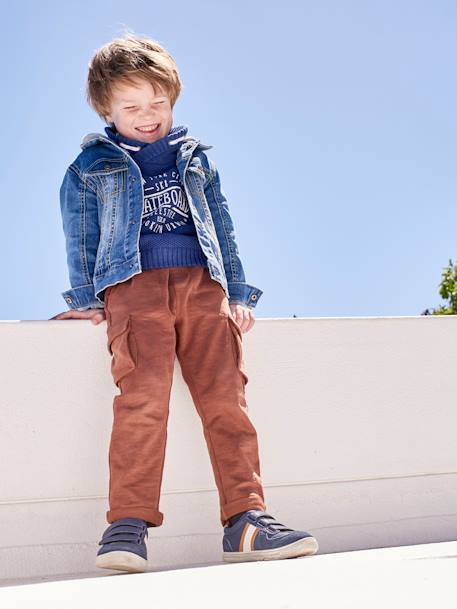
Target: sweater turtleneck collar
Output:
[(151, 155)]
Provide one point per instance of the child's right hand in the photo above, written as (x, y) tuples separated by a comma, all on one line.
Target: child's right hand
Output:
[(95, 315)]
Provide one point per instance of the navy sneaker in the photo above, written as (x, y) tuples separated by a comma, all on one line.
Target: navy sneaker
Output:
[(123, 546), (256, 535)]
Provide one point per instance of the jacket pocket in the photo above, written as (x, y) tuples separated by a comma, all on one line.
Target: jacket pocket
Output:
[(109, 183), (122, 346), (237, 344)]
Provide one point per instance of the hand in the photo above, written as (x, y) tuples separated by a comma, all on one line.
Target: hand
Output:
[(243, 316), (95, 315)]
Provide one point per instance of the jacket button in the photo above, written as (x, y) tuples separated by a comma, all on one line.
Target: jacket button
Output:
[(254, 297), (69, 299)]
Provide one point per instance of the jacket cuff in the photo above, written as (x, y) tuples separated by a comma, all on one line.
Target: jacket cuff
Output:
[(82, 297), (243, 293), (91, 307)]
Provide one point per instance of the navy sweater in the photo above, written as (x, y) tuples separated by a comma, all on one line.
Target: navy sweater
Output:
[(168, 236)]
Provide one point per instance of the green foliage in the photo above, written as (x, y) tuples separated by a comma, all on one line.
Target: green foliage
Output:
[(447, 291)]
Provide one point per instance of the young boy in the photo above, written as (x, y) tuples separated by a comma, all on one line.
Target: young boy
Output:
[(151, 246)]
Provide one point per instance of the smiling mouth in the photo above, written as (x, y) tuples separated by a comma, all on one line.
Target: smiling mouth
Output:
[(149, 128)]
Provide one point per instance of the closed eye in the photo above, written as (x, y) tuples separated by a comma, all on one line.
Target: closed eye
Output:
[(132, 107)]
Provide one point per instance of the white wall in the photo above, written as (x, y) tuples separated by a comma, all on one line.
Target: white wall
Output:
[(356, 420)]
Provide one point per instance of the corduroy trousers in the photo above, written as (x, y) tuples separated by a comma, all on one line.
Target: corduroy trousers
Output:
[(151, 318)]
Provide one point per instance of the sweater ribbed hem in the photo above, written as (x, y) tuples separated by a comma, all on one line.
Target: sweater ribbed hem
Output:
[(165, 251)]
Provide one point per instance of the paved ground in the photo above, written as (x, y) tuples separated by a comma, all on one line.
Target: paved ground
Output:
[(406, 577)]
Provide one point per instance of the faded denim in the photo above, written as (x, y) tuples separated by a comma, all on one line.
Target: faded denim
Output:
[(101, 200)]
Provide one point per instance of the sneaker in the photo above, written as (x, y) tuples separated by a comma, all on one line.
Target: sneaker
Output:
[(123, 546), (256, 535)]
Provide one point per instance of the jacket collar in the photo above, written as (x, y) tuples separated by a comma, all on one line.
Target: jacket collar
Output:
[(188, 143)]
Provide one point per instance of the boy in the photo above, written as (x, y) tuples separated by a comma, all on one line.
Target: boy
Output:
[(151, 247)]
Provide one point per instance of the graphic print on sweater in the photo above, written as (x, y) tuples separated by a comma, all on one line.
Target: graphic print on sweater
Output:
[(165, 205)]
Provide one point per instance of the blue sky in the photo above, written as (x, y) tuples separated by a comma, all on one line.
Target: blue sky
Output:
[(333, 126)]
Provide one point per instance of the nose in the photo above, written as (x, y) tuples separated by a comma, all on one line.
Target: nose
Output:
[(145, 114)]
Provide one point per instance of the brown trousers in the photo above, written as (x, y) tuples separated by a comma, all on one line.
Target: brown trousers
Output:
[(152, 317)]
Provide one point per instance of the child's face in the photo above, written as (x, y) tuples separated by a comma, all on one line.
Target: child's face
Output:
[(133, 108)]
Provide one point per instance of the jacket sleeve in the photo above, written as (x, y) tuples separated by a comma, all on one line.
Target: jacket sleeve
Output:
[(240, 291), (78, 205)]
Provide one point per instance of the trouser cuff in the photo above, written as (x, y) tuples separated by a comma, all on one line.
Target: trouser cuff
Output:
[(153, 518), (254, 502)]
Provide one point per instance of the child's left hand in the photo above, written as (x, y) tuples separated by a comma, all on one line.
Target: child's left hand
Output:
[(243, 316)]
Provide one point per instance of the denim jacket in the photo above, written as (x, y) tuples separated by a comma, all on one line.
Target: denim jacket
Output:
[(101, 201)]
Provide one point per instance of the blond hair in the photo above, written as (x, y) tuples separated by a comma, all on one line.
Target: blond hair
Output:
[(124, 60)]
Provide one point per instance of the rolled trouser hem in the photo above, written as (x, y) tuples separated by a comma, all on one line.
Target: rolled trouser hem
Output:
[(241, 505), (153, 518)]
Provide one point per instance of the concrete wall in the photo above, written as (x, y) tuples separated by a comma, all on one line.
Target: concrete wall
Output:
[(356, 419)]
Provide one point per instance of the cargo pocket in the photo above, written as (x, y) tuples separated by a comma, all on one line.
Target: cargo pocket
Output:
[(122, 346), (237, 344)]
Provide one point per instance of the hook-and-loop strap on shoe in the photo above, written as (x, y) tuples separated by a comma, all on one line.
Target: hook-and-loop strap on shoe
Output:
[(128, 530)]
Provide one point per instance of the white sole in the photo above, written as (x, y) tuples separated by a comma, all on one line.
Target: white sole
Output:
[(121, 561), (301, 547)]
